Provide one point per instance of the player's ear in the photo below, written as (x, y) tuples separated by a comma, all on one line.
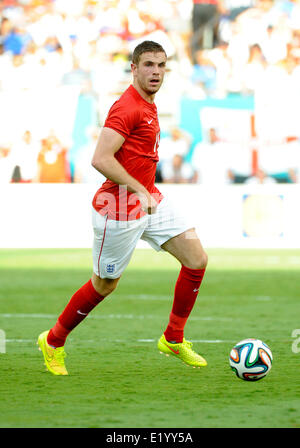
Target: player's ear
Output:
[(133, 67)]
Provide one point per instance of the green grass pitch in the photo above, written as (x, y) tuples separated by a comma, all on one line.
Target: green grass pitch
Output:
[(118, 378)]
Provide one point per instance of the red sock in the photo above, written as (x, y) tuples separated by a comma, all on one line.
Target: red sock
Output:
[(186, 291), (81, 303)]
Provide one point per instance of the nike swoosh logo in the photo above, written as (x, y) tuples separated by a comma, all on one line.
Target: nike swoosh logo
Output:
[(174, 351), (83, 314), (47, 357), (149, 122)]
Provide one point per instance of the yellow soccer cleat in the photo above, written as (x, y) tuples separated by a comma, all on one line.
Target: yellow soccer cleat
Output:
[(182, 350), (54, 357)]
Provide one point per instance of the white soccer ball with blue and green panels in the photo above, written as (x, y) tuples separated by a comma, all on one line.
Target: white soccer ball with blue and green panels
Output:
[(251, 359)]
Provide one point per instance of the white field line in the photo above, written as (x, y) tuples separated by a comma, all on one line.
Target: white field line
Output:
[(146, 341), (167, 298), (206, 341), (20, 341), (146, 297), (266, 259), (107, 316), (150, 297)]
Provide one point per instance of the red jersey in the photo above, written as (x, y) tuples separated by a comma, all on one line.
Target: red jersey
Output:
[(137, 121)]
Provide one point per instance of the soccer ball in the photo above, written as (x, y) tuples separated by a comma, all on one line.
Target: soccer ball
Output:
[(251, 359)]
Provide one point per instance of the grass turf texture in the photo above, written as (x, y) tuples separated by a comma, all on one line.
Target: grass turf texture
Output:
[(117, 376)]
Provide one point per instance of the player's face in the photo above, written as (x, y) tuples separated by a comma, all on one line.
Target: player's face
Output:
[(149, 72)]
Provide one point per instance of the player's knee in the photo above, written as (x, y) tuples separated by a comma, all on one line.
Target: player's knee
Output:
[(108, 288), (199, 262), (104, 286)]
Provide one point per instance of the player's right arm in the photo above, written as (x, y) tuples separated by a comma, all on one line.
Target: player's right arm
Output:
[(104, 161)]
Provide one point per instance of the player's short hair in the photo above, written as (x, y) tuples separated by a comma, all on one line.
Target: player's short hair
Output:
[(148, 46)]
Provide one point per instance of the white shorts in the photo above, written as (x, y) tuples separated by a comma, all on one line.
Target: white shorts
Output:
[(115, 241)]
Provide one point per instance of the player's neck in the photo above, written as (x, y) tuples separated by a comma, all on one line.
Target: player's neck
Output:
[(146, 96)]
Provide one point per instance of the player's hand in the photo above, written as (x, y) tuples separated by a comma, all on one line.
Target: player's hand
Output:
[(148, 203)]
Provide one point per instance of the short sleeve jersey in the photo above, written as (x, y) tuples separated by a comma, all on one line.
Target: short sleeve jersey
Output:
[(137, 121)]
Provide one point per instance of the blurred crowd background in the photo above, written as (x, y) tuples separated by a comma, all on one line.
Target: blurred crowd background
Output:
[(63, 63)]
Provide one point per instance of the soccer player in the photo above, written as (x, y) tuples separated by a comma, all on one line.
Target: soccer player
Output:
[(127, 207)]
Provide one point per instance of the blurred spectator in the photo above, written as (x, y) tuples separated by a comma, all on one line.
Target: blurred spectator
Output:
[(6, 165), (52, 162), (5, 29), (254, 69), (260, 178), (205, 19), (177, 171), (212, 160), (17, 40), (274, 44), (254, 22), (238, 53), (222, 62), (24, 153), (236, 7), (204, 72), (282, 161), (51, 44), (232, 9), (78, 76), (176, 142), (84, 171)]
